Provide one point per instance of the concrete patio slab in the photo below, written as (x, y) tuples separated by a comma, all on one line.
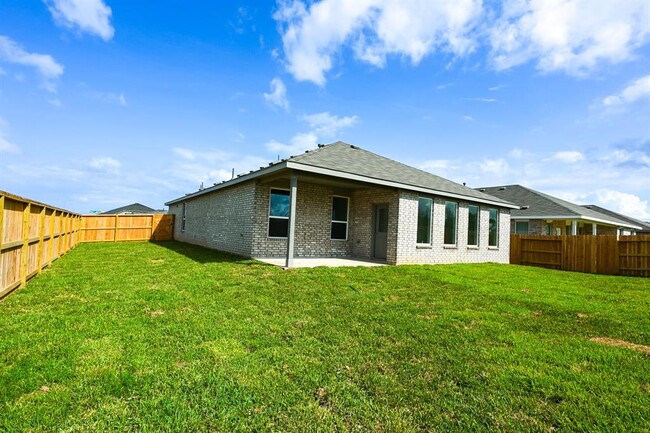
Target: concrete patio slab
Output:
[(331, 262)]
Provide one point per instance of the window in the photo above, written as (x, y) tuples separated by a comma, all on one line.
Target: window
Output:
[(424, 220), (339, 229), (493, 238), (451, 213), (472, 226), (548, 229), (521, 227), (279, 213), (183, 219)]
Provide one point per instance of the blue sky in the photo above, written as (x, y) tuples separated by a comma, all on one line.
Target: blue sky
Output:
[(106, 102)]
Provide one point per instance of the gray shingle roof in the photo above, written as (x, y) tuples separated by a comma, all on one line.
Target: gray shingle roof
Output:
[(350, 159), (544, 205), (644, 225), (351, 162), (131, 208)]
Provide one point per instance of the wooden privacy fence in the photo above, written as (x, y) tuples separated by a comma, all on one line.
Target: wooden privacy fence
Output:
[(33, 235), (611, 255), (119, 228)]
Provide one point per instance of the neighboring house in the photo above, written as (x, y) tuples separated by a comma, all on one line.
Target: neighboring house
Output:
[(134, 208), (645, 226), (343, 201), (543, 214)]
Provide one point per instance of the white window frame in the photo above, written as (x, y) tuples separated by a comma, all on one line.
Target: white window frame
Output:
[(430, 222), (347, 217), (478, 225), (183, 217), (496, 238), (268, 213), (455, 224)]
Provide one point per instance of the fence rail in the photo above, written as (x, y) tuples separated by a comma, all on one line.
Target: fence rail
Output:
[(33, 235), (625, 255)]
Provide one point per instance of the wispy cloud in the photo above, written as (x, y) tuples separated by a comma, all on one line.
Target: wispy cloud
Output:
[(105, 164), (110, 98), (88, 16), (323, 125), (568, 156), (635, 91), (45, 64), (6, 146), (483, 99), (210, 156), (278, 94)]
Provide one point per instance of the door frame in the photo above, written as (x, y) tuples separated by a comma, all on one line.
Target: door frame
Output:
[(375, 215)]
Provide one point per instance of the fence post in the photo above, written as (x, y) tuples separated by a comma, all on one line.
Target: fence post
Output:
[(41, 236), (2, 225), (25, 248), (115, 231)]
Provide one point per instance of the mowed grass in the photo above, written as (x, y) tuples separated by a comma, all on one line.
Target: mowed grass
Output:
[(173, 337)]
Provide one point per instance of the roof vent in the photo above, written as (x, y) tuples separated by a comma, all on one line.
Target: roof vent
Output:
[(503, 188), (524, 207), (320, 145), (482, 189), (353, 146)]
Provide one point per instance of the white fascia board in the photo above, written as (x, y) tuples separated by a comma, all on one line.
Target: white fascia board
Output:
[(366, 179), (235, 181), (572, 217)]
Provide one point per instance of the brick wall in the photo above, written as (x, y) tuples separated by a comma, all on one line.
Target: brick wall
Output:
[(363, 205), (313, 223), (408, 251), (221, 220)]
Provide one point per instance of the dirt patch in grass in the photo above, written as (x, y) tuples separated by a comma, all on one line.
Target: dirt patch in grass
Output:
[(621, 343)]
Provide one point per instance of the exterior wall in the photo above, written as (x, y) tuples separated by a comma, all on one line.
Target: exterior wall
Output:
[(363, 205), (313, 224), (606, 230), (222, 220), (535, 226), (408, 251)]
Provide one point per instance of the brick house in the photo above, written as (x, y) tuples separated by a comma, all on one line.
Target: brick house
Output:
[(543, 214), (343, 201)]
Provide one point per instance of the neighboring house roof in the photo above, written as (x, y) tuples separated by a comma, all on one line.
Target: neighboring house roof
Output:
[(349, 162), (537, 205), (131, 208), (645, 226)]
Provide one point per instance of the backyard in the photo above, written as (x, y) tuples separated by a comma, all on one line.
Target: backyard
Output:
[(172, 337)]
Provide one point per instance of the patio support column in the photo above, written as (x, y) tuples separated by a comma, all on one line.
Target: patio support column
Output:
[(293, 191), (594, 229), (574, 227)]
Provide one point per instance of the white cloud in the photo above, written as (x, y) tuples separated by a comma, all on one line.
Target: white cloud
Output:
[(278, 94), (329, 125), (5, 145), (375, 29), (90, 16), (635, 91), (105, 164), (498, 167), (45, 64), (297, 144), (323, 125), (202, 155), (625, 203), (110, 98), (468, 118), (483, 99), (573, 36), (568, 156)]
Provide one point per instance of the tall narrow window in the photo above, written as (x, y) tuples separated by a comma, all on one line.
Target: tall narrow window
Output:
[(279, 213), (472, 226), (451, 215), (424, 220), (493, 238), (183, 218), (339, 229)]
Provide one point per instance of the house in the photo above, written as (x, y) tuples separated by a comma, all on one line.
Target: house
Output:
[(343, 201), (541, 213), (645, 226), (134, 208)]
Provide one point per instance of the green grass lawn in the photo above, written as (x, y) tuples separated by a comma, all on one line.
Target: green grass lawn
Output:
[(172, 337)]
